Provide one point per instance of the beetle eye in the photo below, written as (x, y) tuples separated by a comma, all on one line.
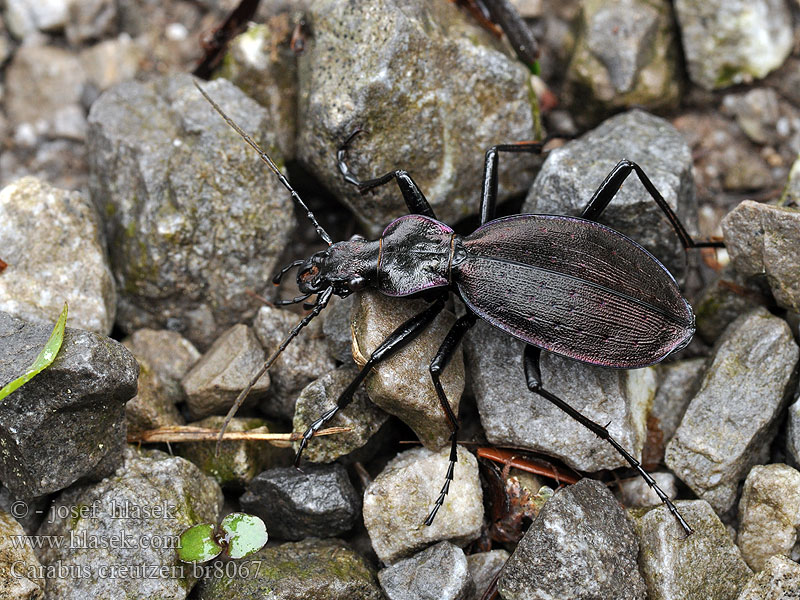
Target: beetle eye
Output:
[(357, 283)]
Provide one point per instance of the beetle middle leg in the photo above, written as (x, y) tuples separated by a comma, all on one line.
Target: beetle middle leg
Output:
[(610, 186), (438, 365), (415, 200), (400, 337), (490, 164), (533, 377)]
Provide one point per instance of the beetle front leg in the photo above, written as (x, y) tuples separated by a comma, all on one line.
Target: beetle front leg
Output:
[(438, 365), (396, 340), (415, 200), (490, 164), (610, 186), (533, 378)]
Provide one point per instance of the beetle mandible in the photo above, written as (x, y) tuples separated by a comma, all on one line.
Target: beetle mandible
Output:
[(601, 299)]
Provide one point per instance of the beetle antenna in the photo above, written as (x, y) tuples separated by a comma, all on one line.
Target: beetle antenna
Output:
[(322, 302), (266, 158)]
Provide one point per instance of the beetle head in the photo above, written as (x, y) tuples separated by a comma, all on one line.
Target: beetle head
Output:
[(345, 266)]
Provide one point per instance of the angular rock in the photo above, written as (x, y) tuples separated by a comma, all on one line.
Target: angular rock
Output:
[(734, 414), (779, 579), (52, 240), (483, 566), (148, 503), (89, 20), (635, 492), (769, 514), (706, 564), (261, 62), (193, 219), (677, 385), (337, 328), (626, 55), (735, 41), (621, 397), (110, 62), (20, 571), (791, 193), (238, 461), (572, 173), (438, 573), (793, 429), (164, 357), (40, 81), (397, 502), (426, 63), (69, 421), (215, 380), (580, 532), (762, 115), (401, 385), (304, 360), (762, 241), (318, 569), (362, 417), (22, 17), (318, 501)]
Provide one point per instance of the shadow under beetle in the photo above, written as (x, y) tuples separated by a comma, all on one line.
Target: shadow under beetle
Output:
[(568, 285)]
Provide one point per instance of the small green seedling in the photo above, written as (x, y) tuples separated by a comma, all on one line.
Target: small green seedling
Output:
[(45, 358), (239, 535)]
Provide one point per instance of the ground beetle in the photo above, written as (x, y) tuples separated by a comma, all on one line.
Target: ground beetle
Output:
[(568, 285)]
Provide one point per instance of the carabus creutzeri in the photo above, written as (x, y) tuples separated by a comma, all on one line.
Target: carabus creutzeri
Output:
[(567, 285)]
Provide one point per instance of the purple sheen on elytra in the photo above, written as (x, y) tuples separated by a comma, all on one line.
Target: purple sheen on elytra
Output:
[(605, 300)]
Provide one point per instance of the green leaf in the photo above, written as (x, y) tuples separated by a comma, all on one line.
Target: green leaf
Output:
[(244, 533), (45, 358), (198, 544)]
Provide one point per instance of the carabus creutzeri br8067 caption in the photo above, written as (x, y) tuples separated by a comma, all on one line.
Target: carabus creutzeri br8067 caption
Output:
[(567, 285)]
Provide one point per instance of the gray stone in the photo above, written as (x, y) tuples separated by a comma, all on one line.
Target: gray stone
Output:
[(762, 241), (780, 580), (793, 429), (63, 423), (399, 499), (791, 193), (635, 492), (318, 569), (572, 173), (677, 384), (362, 417), (621, 397), (438, 573), (21, 575), (401, 385), (337, 328), (238, 461), (148, 503), (23, 17), (318, 501), (735, 41), (261, 62), (52, 240), (706, 564), (89, 20), (433, 89), (40, 81), (759, 112), (483, 566), (626, 55), (580, 532), (304, 360), (769, 514), (164, 357), (215, 380), (110, 62), (193, 219), (734, 414)]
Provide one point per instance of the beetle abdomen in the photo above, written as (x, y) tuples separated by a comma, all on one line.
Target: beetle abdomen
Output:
[(574, 287)]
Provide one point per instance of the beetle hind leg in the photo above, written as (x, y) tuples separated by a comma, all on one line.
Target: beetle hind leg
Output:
[(534, 380), (438, 364)]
